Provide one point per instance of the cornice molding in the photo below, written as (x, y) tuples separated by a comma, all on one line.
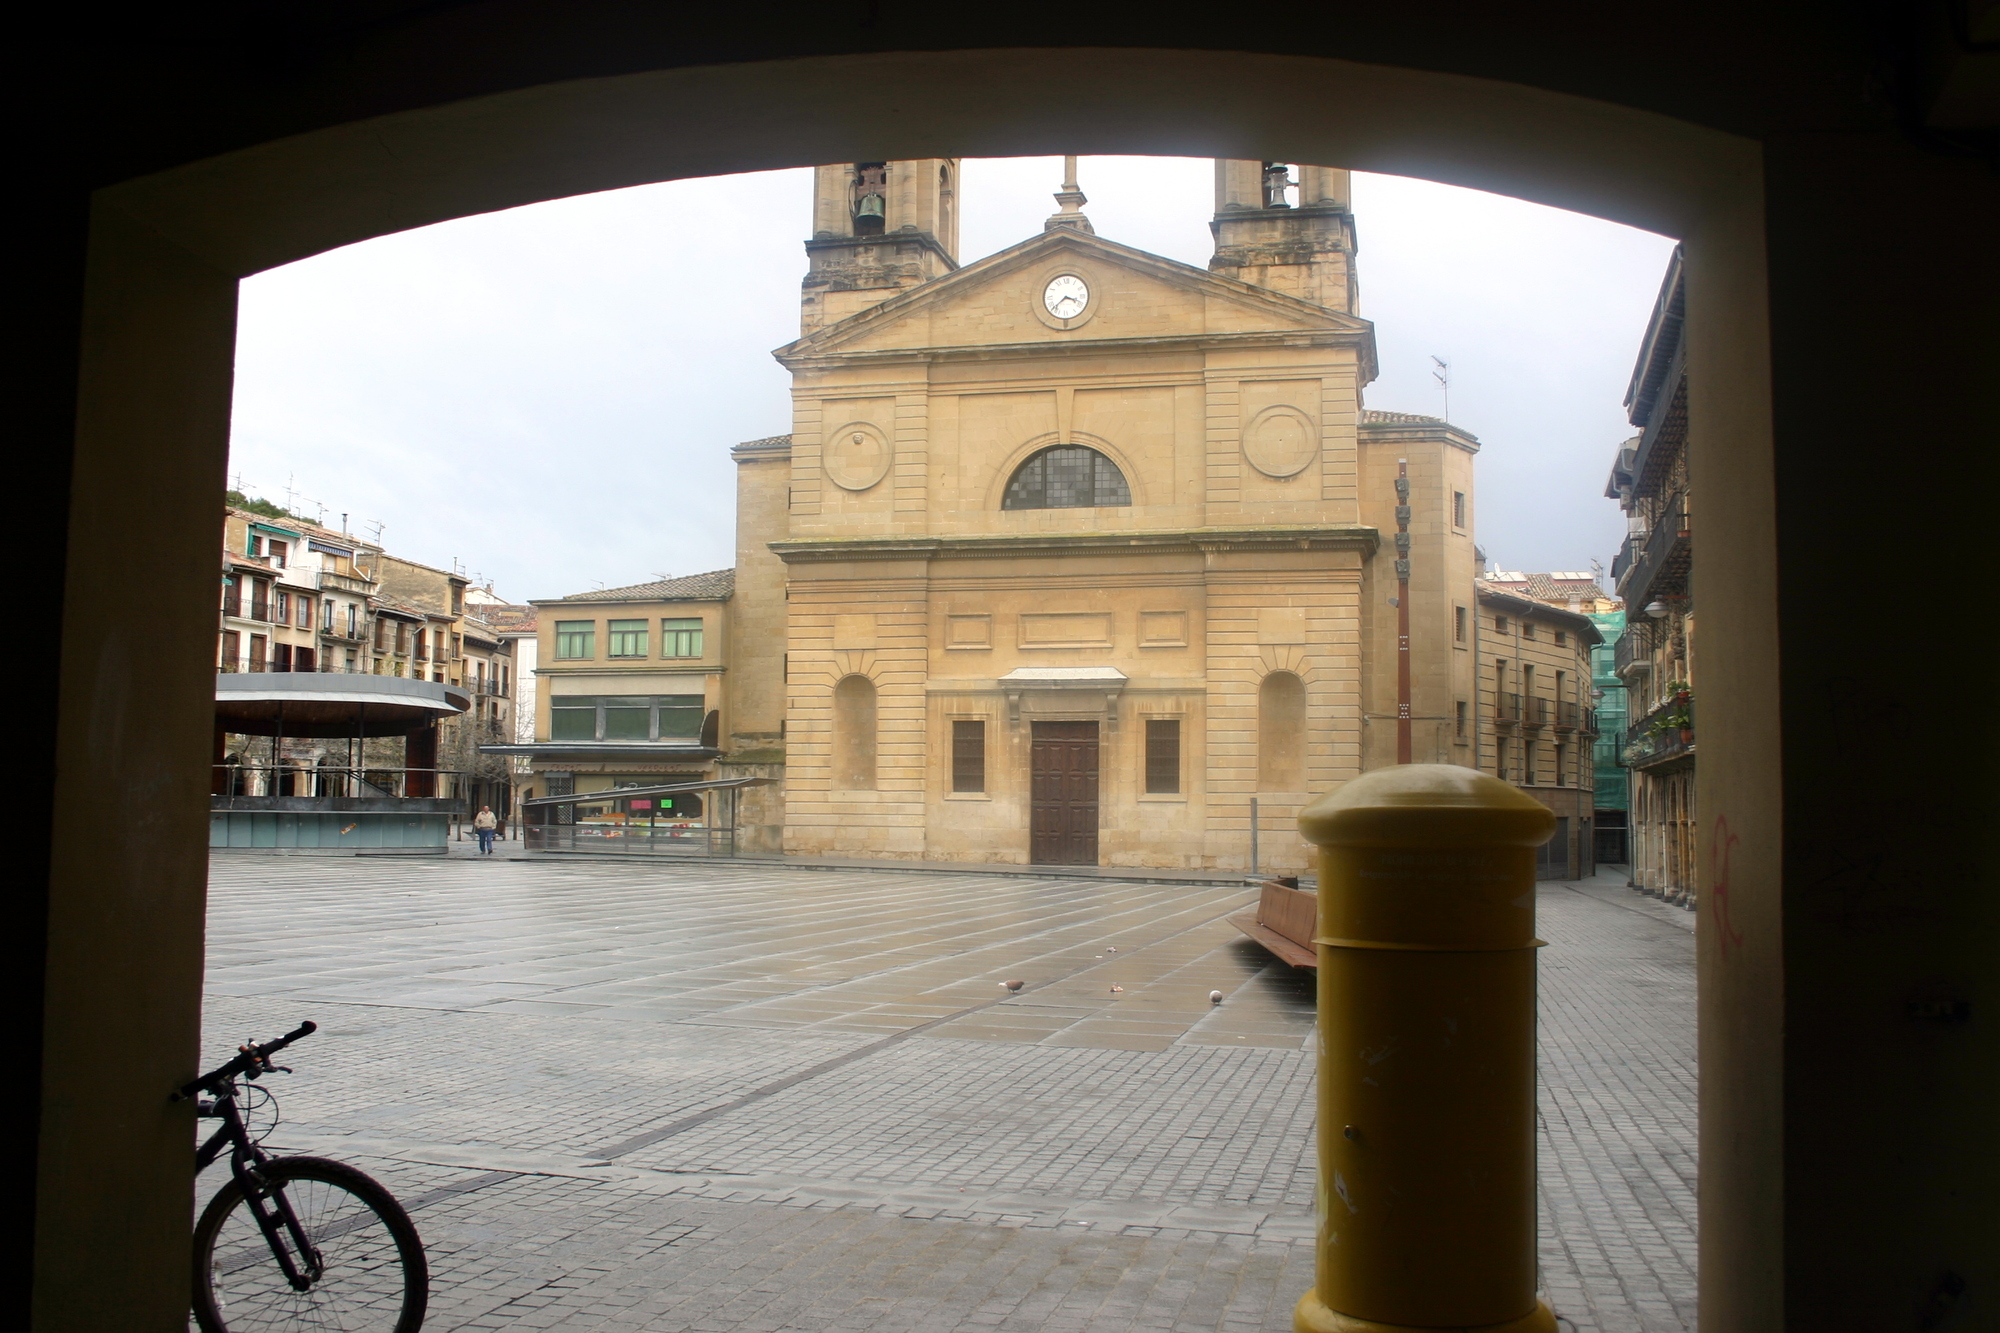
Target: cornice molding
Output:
[(1318, 537)]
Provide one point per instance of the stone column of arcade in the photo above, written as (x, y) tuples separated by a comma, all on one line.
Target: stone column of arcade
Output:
[(1427, 1054)]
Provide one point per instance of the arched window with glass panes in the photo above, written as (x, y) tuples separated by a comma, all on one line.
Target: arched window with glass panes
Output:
[(1067, 476)]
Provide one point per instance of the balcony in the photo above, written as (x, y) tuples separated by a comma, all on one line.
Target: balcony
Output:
[(1634, 651), (1537, 711), (1566, 715), (490, 689), (1660, 567), (1660, 737), (1506, 706), (333, 578)]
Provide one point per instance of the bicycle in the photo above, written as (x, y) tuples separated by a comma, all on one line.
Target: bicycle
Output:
[(295, 1242)]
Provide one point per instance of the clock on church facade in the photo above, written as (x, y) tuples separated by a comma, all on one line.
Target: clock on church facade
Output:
[(1074, 551)]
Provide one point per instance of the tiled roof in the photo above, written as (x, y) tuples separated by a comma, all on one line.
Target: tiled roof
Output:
[(1370, 417), (507, 619), (1557, 589), (712, 586), (768, 442)]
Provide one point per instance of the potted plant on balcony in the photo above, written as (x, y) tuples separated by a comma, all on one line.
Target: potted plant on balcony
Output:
[(1678, 716)]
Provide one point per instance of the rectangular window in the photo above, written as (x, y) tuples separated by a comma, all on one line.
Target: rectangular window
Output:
[(327, 612), (457, 646), (680, 717), (402, 640), (381, 635), (576, 638), (281, 657), (1562, 639), (628, 718), (968, 756), (352, 628), (1458, 509), (1500, 624), (573, 719), (625, 638), (681, 638), (1458, 624), (1458, 719), (304, 659), (257, 645), (1163, 756), (232, 595), (232, 650), (256, 546), (1527, 629), (422, 653), (281, 607), (278, 555), (625, 717)]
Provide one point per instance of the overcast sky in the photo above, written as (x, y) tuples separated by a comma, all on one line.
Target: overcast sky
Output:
[(547, 396)]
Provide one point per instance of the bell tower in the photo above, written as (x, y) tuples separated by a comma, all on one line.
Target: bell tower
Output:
[(1294, 236), (879, 228)]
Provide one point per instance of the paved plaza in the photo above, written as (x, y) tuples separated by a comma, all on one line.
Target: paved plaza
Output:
[(735, 1098)]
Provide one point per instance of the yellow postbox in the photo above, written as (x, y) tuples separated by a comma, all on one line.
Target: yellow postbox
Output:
[(1426, 949)]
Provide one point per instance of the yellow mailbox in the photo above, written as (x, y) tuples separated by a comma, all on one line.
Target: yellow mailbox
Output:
[(1426, 948)]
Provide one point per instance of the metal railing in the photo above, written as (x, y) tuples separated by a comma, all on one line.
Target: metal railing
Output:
[(637, 839), (1506, 706), (492, 689), (325, 780), (1652, 740), (1567, 712), (1665, 544), (1536, 711), (1635, 648)]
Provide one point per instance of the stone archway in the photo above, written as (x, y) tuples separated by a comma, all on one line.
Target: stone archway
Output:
[(167, 250)]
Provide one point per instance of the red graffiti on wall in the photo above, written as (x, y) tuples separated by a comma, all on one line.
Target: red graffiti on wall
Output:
[(1726, 933)]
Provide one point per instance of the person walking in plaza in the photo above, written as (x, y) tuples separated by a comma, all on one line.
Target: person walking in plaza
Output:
[(484, 823)]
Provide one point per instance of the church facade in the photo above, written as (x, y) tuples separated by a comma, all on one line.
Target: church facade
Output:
[(1078, 555)]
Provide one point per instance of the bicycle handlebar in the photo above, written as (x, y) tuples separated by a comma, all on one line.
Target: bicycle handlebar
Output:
[(252, 1058)]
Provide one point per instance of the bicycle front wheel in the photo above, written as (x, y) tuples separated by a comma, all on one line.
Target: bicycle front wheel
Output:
[(364, 1271)]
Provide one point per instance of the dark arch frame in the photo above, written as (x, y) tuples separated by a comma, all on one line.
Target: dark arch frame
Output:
[(246, 155)]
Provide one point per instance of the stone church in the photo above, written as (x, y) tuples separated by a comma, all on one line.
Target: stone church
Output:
[(1079, 556)]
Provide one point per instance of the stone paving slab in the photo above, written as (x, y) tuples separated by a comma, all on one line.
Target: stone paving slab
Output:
[(791, 1100)]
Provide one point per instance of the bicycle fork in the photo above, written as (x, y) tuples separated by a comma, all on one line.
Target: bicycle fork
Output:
[(279, 1223)]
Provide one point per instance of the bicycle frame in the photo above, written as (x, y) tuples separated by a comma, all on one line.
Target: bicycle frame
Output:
[(246, 1162)]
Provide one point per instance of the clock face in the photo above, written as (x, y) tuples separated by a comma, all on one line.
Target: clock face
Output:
[(1066, 296)]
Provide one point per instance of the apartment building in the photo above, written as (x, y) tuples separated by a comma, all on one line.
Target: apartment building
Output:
[(629, 691), (298, 597), (1532, 711), (1654, 574), (295, 596)]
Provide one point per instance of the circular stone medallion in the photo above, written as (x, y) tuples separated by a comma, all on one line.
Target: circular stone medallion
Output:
[(1280, 441), (856, 456)]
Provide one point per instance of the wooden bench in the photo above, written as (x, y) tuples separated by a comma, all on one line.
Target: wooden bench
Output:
[(1284, 922)]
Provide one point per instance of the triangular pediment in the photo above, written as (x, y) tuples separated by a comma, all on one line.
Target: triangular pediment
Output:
[(1133, 295)]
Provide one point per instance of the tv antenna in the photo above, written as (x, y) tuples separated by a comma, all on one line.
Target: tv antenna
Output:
[(1443, 377), (376, 524)]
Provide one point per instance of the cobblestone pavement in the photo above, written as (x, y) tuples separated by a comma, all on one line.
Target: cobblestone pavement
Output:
[(765, 1098)]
